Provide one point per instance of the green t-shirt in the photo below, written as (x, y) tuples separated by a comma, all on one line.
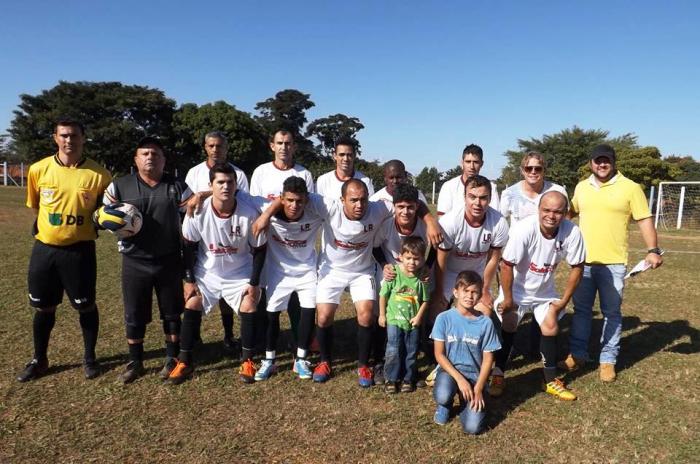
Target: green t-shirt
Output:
[(404, 297)]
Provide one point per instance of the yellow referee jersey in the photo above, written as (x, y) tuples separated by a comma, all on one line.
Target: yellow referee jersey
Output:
[(65, 197), (604, 215)]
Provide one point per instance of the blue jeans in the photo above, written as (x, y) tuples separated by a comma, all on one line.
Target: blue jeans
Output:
[(607, 281), (444, 391), (401, 352)]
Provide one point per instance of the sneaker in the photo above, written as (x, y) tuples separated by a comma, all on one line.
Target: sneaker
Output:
[(390, 388), (180, 373), (168, 367), (267, 368), (430, 379), (556, 388), (407, 387), (322, 372), (379, 374), (133, 371), (498, 384), (33, 370), (302, 368), (571, 363), (607, 372), (364, 377), (247, 371), (91, 369), (442, 415)]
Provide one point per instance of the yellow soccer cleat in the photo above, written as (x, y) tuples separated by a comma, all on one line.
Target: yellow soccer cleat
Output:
[(556, 388)]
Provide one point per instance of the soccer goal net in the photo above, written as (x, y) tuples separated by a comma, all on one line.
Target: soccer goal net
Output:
[(678, 206)]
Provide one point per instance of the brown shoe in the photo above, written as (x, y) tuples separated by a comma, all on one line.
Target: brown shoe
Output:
[(607, 372), (571, 363)]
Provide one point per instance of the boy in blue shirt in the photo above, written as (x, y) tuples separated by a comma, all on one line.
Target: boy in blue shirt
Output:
[(465, 340)]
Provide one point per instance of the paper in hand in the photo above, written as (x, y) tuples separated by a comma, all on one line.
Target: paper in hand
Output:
[(640, 267)]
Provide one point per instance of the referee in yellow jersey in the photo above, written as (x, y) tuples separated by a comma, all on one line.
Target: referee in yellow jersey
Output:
[(64, 190)]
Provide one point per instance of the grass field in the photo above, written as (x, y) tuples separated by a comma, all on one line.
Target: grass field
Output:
[(650, 414)]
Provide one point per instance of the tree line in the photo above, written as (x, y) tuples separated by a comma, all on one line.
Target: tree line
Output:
[(116, 115)]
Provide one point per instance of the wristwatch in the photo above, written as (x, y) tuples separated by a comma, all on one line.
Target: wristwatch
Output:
[(656, 251)]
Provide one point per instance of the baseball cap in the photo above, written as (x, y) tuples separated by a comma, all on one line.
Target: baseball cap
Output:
[(603, 150), (149, 140)]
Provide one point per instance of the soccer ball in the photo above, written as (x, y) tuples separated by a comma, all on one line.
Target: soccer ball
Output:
[(122, 219)]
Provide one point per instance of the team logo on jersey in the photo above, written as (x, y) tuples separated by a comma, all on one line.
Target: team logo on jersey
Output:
[(221, 249), (236, 232), (470, 254), (304, 227), (546, 269), (56, 219), (368, 227), (47, 194), (350, 245), (288, 242), (486, 238)]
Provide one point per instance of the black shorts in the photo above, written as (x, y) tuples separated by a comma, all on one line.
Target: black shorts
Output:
[(53, 269), (140, 277)]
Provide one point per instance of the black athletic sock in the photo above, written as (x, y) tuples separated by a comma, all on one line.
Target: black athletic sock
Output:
[(227, 323), (364, 343), (503, 354), (136, 352), (247, 335), (378, 344), (42, 325), (548, 349), (171, 348), (306, 326), (294, 313), (90, 326), (191, 321), (273, 331), (535, 336), (324, 335)]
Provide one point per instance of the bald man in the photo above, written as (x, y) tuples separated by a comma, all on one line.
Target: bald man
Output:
[(530, 259)]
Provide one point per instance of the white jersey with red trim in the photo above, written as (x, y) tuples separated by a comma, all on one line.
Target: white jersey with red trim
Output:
[(384, 195), (225, 243), (329, 186), (452, 196), (197, 178), (267, 179), (389, 238), (348, 243), (469, 246), (517, 206), (535, 258)]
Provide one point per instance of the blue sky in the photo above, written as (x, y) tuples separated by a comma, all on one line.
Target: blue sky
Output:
[(425, 78)]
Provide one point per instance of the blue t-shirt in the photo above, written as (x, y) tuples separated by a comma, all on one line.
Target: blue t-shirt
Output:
[(466, 339)]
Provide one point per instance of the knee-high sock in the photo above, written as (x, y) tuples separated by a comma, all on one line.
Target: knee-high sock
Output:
[(503, 354), (324, 335), (364, 343), (90, 326), (272, 334), (247, 335), (378, 343), (42, 325), (191, 322), (548, 349), (306, 325)]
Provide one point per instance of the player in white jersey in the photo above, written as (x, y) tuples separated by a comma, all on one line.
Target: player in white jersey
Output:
[(473, 238), (223, 260), (197, 179), (520, 200), (268, 178), (394, 174), (344, 155), (290, 269), (530, 259), (452, 192)]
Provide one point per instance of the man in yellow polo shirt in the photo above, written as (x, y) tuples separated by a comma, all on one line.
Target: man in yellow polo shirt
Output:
[(64, 190), (605, 203)]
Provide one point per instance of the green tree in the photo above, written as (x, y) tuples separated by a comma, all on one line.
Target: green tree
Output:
[(565, 152), (641, 164), (116, 116), (286, 110), (424, 180), (246, 138), (327, 130), (688, 167)]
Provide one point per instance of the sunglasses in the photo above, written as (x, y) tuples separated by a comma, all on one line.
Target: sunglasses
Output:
[(533, 169)]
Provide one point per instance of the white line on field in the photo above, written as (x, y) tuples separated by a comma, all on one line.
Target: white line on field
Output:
[(672, 251)]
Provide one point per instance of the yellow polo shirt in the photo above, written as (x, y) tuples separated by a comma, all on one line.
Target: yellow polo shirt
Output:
[(65, 197), (604, 216)]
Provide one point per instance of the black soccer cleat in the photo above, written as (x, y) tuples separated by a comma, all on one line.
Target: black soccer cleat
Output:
[(133, 371), (91, 369), (33, 370)]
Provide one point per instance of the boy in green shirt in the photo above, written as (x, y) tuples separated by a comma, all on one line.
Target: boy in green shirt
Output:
[(402, 304)]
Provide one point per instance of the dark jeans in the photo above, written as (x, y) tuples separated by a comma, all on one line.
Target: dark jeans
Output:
[(401, 352)]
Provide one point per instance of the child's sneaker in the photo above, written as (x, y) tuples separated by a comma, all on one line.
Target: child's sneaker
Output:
[(267, 369), (302, 368), (390, 388), (442, 415), (498, 384), (322, 372), (556, 388), (407, 387), (365, 377), (247, 371)]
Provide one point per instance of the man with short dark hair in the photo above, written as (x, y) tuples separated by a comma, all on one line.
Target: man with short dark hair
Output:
[(394, 172), (452, 192), (267, 179), (64, 190), (344, 155), (151, 259)]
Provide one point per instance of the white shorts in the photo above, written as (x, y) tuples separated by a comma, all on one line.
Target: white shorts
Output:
[(280, 289), (212, 288), (539, 310), (332, 282)]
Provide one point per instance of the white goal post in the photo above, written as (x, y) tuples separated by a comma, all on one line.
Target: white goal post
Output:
[(678, 205)]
